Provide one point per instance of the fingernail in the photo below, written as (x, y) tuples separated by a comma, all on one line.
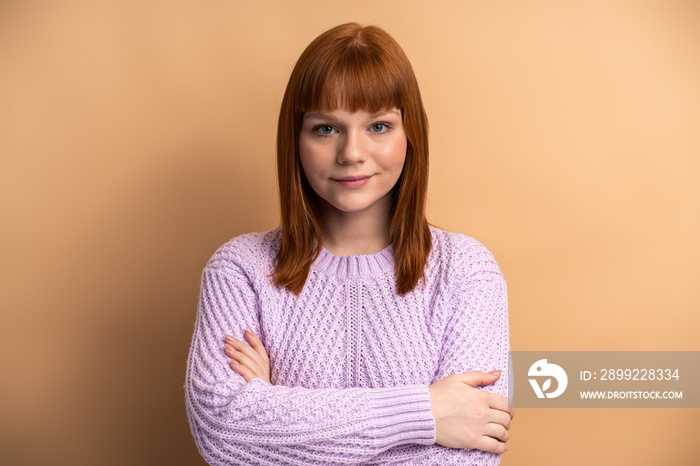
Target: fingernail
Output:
[(228, 337), (248, 331), (495, 372)]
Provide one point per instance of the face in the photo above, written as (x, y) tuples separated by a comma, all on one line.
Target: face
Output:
[(353, 160)]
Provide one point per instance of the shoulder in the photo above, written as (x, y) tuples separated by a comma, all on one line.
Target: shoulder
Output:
[(462, 258), (249, 252)]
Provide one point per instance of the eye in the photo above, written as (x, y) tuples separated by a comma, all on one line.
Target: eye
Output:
[(324, 130), (379, 128)]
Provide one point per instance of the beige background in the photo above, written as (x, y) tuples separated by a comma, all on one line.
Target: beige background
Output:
[(138, 136)]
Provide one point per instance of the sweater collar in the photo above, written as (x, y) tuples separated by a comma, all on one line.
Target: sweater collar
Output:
[(379, 263)]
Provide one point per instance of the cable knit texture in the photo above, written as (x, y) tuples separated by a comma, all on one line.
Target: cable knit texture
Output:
[(351, 360)]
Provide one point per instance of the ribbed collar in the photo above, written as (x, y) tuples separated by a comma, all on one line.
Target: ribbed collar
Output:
[(379, 263)]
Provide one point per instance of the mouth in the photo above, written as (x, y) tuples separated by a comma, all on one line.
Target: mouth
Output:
[(353, 181), (353, 178)]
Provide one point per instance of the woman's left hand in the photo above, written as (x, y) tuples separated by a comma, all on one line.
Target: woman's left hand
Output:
[(248, 362)]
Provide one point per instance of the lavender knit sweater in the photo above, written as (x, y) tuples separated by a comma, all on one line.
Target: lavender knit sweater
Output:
[(351, 360)]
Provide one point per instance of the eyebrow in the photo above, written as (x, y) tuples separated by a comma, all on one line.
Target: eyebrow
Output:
[(326, 116)]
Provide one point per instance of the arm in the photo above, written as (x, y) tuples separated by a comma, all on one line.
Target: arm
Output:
[(467, 419), (475, 339), (234, 422)]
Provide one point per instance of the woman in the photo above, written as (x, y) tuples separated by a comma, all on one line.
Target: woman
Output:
[(368, 330)]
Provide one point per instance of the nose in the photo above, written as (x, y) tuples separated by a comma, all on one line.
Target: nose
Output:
[(352, 148)]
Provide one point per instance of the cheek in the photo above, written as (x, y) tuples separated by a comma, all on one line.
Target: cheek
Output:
[(310, 165), (395, 156), (306, 158)]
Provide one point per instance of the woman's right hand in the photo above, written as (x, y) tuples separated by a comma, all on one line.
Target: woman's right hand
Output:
[(466, 417)]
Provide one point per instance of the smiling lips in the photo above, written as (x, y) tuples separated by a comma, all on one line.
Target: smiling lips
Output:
[(353, 181)]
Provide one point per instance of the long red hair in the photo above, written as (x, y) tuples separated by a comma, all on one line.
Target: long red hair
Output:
[(355, 68)]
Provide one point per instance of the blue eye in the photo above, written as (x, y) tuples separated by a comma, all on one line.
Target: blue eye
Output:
[(380, 128), (325, 130)]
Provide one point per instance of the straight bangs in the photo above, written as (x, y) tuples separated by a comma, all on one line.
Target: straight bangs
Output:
[(357, 78)]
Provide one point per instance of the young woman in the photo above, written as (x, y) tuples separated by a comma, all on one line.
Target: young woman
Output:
[(355, 333)]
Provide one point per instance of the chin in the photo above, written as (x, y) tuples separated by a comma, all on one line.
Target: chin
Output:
[(350, 205), (349, 209)]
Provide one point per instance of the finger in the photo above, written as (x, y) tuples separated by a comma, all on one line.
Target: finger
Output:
[(243, 359), (499, 417), (231, 351), (246, 373), (491, 445), (241, 364), (499, 402), (246, 350), (497, 431), (257, 344), (479, 378)]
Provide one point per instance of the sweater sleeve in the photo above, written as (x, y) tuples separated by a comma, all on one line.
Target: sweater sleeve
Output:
[(476, 337), (234, 422)]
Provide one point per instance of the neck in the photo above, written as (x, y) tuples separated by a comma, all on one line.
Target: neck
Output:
[(355, 233)]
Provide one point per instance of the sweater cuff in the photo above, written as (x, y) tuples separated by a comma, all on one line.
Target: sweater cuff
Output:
[(404, 415)]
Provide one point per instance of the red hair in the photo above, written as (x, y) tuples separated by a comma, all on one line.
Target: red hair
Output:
[(355, 68)]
